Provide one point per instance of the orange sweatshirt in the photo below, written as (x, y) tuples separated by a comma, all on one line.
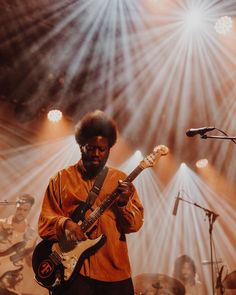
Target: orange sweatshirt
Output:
[(64, 193)]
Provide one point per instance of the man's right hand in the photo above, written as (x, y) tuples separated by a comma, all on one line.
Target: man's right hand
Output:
[(73, 231)]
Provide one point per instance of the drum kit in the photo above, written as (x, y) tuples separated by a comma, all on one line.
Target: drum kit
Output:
[(229, 284), (157, 284), (230, 281), (161, 284)]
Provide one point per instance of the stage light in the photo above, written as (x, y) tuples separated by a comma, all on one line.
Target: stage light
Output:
[(54, 115), (61, 80), (183, 165), (50, 76), (202, 163), (224, 25), (138, 154), (193, 19)]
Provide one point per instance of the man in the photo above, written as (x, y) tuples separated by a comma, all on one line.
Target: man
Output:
[(17, 240), (107, 271)]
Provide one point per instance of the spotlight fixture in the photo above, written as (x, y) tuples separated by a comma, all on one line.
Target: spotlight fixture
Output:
[(202, 163), (194, 19), (224, 25), (54, 115)]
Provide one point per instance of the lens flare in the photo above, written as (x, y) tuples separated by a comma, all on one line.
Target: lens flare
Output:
[(224, 25)]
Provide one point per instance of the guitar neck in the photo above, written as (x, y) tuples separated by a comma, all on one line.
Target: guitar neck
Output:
[(88, 222)]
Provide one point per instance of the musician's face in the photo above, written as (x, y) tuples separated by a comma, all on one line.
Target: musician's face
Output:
[(95, 154), (22, 211), (187, 271)]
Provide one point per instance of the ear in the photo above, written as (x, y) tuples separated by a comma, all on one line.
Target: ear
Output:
[(82, 148)]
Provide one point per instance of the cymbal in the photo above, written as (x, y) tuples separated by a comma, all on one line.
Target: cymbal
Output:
[(230, 281), (156, 283)]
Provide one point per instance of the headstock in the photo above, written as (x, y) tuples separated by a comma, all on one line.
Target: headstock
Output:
[(151, 159)]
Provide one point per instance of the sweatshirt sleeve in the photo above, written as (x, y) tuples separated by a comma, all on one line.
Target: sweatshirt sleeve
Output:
[(131, 216), (52, 218)]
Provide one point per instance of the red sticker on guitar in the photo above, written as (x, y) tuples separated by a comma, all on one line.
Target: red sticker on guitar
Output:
[(45, 269)]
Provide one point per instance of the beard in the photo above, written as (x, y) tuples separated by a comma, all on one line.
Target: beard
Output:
[(92, 166)]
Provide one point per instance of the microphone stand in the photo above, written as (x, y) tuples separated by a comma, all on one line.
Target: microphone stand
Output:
[(211, 219), (233, 138), (219, 284)]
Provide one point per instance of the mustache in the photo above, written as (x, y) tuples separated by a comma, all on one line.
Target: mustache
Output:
[(90, 158)]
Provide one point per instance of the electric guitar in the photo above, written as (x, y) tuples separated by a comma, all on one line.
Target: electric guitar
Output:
[(55, 263)]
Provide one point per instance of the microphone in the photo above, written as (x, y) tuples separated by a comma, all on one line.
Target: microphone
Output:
[(20, 201), (193, 131), (176, 205)]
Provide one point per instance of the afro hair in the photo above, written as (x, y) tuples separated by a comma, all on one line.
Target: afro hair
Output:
[(96, 123)]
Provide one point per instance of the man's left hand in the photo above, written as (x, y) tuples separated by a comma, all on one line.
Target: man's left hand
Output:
[(126, 190)]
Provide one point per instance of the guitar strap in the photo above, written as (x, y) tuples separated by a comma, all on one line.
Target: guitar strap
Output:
[(80, 211)]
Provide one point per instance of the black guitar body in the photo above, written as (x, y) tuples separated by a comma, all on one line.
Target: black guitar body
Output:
[(48, 264)]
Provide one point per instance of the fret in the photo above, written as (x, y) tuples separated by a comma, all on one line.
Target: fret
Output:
[(134, 174)]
